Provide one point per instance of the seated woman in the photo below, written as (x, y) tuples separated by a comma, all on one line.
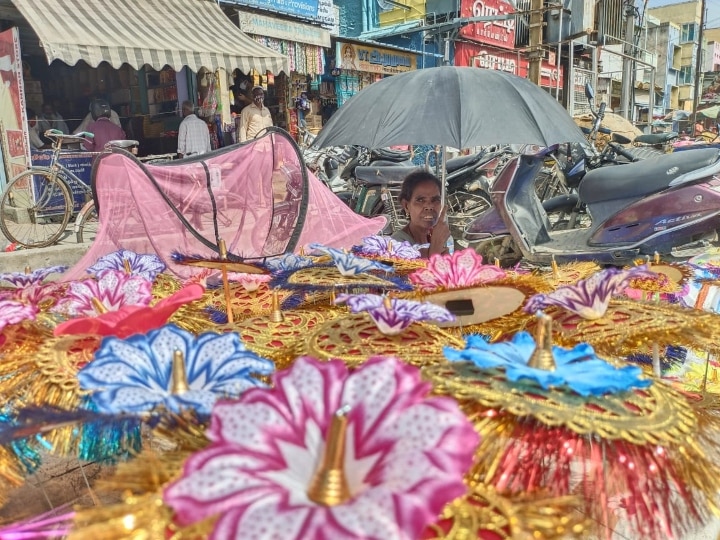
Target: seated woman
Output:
[(428, 227)]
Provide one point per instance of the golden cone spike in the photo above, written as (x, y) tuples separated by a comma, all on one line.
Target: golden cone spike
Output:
[(657, 258), (28, 270), (276, 315), (333, 297), (497, 262), (126, 266), (178, 376), (223, 249), (389, 247), (329, 485), (98, 305), (302, 251), (647, 261), (555, 270), (542, 356), (387, 302)]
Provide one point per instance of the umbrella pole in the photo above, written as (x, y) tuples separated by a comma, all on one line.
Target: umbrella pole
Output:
[(443, 176)]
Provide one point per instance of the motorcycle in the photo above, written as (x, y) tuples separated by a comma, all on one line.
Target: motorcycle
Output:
[(666, 205)]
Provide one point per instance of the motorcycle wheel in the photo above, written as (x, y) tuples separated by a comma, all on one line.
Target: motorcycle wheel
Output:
[(463, 208), (502, 248)]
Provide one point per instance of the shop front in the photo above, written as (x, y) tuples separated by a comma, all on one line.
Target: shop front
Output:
[(488, 57), (304, 47), (142, 57)]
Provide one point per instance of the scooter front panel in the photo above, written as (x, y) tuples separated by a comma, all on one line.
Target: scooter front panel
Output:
[(662, 217)]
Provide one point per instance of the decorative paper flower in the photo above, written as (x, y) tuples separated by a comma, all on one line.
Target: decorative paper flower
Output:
[(349, 264), (14, 312), (35, 294), (577, 368), (21, 279), (147, 265), (589, 297), (112, 289), (250, 282), (392, 315), (135, 375), (405, 456), (129, 320), (461, 269), (287, 262), (385, 246)]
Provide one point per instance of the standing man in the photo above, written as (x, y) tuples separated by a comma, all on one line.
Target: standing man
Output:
[(102, 127), (193, 135), (255, 117)]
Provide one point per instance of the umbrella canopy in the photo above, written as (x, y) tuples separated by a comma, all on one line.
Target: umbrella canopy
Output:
[(460, 107), (710, 112)]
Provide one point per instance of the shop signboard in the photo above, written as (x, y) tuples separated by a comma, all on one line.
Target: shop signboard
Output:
[(497, 33), (79, 163), (260, 25), (467, 54), (13, 118), (372, 59), (304, 9)]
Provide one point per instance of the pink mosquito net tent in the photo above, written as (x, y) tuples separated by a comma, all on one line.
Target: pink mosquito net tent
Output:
[(258, 197)]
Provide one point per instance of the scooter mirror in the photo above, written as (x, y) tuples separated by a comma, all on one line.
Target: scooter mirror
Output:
[(589, 92)]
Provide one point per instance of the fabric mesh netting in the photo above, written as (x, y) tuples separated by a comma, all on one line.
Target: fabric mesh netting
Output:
[(261, 197)]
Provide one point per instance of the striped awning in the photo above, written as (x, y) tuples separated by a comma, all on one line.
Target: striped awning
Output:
[(176, 33)]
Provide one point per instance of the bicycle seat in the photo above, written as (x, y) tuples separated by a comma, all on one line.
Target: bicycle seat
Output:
[(457, 163), (373, 176), (656, 138), (121, 143)]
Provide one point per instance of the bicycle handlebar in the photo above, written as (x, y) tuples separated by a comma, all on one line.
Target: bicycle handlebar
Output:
[(57, 134)]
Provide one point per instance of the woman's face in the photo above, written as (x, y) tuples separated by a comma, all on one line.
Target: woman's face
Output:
[(424, 205)]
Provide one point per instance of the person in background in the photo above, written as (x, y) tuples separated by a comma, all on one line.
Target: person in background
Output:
[(699, 128), (255, 117), (49, 119), (193, 133), (102, 128), (36, 139), (427, 226), (241, 92), (114, 118)]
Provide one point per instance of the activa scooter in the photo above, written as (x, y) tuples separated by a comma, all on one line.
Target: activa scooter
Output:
[(666, 205)]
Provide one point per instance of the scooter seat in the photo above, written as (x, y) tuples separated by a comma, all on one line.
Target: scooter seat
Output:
[(641, 178), (457, 163), (388, 154), (656, 138), (373, 176)]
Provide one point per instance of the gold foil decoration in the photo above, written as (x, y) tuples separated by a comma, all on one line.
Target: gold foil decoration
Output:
[(542, 356), (329, 485), (354, 338), (276, 315)]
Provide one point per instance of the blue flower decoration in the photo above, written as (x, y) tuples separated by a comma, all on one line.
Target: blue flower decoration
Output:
[(287, 262), (147, 265), (577, 368), (349, 264), (135, 374)]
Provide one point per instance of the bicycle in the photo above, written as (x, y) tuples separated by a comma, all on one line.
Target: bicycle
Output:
[(87, 223), (39, 202)]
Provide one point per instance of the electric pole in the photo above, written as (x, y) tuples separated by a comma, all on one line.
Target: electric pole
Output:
[(535, 54), (628, 62), (698, 65)]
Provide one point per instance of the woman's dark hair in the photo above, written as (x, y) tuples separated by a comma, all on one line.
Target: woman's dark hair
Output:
[(413, 180)]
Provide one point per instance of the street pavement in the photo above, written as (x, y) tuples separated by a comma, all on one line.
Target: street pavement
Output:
[(67, 252)]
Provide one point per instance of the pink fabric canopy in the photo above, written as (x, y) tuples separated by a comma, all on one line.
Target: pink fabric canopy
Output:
[(259, 194)]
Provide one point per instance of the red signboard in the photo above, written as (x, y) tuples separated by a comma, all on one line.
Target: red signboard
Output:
[(480, 56), (498, 33)]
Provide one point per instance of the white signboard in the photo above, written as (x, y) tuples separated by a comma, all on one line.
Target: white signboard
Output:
[(260, 25)]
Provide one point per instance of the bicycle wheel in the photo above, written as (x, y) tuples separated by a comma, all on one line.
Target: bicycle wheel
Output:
[(86, 223), (35, 209)]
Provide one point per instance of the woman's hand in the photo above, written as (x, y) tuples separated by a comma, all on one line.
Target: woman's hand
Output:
[(440, 234)]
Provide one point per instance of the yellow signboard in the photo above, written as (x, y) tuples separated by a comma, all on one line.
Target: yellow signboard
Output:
[(351, 57)]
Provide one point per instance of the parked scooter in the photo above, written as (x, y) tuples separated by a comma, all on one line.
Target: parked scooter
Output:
[(665, 205)]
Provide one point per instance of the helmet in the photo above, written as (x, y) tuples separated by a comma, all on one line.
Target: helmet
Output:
[(99, 108)]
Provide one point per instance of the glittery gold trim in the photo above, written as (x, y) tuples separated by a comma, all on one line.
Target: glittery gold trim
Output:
[(569, 274), (354, 338), (653, 415)]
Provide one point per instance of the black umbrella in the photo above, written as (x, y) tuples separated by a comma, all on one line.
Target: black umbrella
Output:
[(450, 106)]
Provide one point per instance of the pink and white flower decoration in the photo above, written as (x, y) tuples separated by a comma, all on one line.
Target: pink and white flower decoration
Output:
[(461, 269), (393, 315), (250, 282), (405, 456), (12, 312), (113, 289), (35, 294), (589, 297)]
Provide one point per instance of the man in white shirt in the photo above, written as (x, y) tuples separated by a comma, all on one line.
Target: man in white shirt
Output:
[(49, 119), (193, 134), (36, 140), (255, 117)]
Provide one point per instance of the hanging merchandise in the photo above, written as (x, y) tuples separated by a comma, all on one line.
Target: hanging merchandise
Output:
[(302, 58)]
